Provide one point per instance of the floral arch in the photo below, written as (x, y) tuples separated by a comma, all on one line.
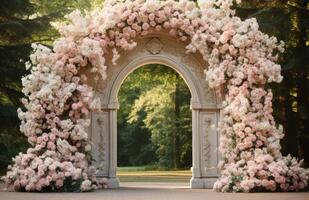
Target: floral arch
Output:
[(61, 100), (159, 48)]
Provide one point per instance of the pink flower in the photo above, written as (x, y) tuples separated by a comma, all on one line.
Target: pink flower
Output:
[(145, 26), (51, 146), (59, 183), (280, 179), (74, 106), (166, 25), (151, 16)]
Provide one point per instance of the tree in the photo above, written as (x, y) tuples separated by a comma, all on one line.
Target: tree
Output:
[(168, 118), (134, 140), (16, 31)]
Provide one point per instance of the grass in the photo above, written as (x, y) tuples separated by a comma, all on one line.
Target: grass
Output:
[(148, 174)]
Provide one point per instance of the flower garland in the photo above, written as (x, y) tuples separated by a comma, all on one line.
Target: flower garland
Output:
[(241, 60)]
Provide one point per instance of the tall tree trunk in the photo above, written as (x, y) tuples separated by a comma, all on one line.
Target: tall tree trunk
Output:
[(177, 123), (288, 119)]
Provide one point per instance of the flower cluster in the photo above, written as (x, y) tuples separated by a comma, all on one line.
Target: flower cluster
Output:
[(241, 60), (55, 121)]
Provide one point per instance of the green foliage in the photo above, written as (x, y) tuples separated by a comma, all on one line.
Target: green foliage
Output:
[(158, 101)]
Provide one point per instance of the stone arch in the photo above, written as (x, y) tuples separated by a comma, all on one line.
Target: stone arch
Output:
[(205, 106), (194, 87)]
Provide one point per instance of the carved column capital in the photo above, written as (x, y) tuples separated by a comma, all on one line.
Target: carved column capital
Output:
[(113, 105), (195, 105)]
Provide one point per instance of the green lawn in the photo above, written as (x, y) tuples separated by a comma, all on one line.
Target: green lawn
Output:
[(146, 174)]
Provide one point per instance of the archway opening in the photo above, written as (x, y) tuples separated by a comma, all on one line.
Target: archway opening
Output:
[(203, 103), (154, 128)]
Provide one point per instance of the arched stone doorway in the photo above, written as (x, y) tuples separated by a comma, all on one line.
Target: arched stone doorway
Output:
[(205, 106)]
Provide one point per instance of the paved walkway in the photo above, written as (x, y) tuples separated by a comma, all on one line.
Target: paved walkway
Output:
[(152, 191)]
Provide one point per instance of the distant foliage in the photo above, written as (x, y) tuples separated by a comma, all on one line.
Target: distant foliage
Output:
[(161, 110)]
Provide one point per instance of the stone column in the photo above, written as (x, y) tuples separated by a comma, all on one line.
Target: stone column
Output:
[(209, 140), (99, 136), (196, 181), (204, 146), (113, 181)]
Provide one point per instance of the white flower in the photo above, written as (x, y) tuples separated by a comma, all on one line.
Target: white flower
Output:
[(88, 147), (86, 185)]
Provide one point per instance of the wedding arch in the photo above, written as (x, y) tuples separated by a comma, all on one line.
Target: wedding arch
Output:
[(71, 96), (159, 48)]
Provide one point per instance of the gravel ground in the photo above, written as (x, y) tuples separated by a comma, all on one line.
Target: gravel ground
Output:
[(152, 191)]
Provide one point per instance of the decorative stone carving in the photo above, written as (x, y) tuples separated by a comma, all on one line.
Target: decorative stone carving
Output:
[(209, 144), (99, 137), (206, 146), (154, 46), (101, 145), (100, 87)]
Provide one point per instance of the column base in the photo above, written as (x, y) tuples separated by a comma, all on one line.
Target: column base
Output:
[(202, 183), (112, 183)]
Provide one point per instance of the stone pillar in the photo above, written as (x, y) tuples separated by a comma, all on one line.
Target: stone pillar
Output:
[(196, 181), (209, 140), (113, 181), (205, 140), (99, 136)]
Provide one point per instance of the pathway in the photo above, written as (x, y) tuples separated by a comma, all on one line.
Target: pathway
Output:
[(153, 191)]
